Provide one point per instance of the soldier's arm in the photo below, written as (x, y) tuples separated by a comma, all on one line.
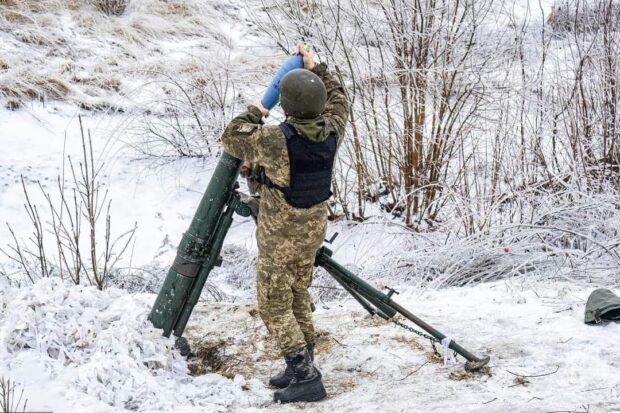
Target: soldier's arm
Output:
[(247, 138), (337, 107)]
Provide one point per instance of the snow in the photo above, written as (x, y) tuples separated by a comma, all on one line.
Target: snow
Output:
[(75, 348), (96, 351)]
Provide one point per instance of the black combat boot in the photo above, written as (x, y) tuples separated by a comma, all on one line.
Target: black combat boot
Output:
[(281, 380), (306, 384)]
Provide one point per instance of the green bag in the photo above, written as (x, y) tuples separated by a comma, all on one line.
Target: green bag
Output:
[(602, 305)]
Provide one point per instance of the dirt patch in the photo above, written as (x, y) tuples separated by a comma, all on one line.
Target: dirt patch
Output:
[(433, 357), (461, 374), (324, 342), (409, 341), (218, 356), (520, 381)]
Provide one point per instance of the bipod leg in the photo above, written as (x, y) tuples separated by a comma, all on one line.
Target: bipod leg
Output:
[(473, 363), (360, 299), (364, 291)]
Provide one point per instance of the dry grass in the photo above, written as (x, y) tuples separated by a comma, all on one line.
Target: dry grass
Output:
[(15, 17), (33, 38), (35, 87), (101, 82), (409, 341), (100, 106), (12, 104), (433, 357), (111, 7), (172, 7), (324, 342), (42, 6)]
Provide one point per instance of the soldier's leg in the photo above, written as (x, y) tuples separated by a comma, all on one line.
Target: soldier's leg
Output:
[(275, 301), (302, 302)]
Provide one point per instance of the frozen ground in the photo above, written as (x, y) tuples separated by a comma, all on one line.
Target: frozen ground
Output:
[(78, 349)]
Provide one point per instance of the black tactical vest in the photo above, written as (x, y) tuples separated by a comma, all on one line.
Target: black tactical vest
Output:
[(311, 166)]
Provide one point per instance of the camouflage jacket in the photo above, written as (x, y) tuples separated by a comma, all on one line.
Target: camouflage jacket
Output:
[(247, 138)]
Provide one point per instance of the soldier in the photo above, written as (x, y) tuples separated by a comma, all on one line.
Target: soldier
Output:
[(293, 164)]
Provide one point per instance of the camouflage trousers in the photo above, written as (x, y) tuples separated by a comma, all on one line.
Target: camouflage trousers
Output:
[(287, 240), (284, 302)]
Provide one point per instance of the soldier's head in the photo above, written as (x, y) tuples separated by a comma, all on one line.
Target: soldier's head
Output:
[(302, 94)]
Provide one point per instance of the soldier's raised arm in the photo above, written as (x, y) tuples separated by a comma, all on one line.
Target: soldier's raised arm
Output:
[(247, 138), (337, 106)]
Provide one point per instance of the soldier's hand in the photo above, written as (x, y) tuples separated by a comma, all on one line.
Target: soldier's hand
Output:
[(246, 168), (308, 56), (260, 107)]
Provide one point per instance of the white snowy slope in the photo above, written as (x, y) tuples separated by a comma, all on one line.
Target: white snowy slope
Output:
[(78, 349)]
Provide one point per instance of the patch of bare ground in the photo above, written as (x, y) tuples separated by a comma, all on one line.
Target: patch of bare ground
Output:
[(461, 374), (433, 357), (219, 356), (409, 341), (221, 348)]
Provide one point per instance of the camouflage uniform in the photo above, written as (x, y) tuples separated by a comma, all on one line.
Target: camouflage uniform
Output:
[(288, 237)]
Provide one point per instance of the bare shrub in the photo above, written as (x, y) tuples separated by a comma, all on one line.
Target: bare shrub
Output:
[(112, 7), (188, 115), (9, 402), (412, 71), (569, 236), (583, 16), (83, 251), (461, 113)]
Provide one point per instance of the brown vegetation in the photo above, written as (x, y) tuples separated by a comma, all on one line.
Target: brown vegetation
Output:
[(111, 7)]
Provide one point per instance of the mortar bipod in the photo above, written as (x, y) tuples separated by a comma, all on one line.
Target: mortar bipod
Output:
[(381, 304)]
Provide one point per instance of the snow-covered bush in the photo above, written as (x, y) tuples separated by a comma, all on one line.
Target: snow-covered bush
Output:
[(568, 236), (188, 113), (457, 108), (100, 345), (584, 16)]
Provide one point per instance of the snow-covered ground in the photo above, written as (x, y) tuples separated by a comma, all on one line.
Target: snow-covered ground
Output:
[(78, 349), (74, 348)]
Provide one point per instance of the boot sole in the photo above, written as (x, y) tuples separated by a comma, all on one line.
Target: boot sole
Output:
[(314, 397), (309, 398)]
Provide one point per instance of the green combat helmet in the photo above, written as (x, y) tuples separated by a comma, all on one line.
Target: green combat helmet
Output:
[(302, 94), (602, 305)]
